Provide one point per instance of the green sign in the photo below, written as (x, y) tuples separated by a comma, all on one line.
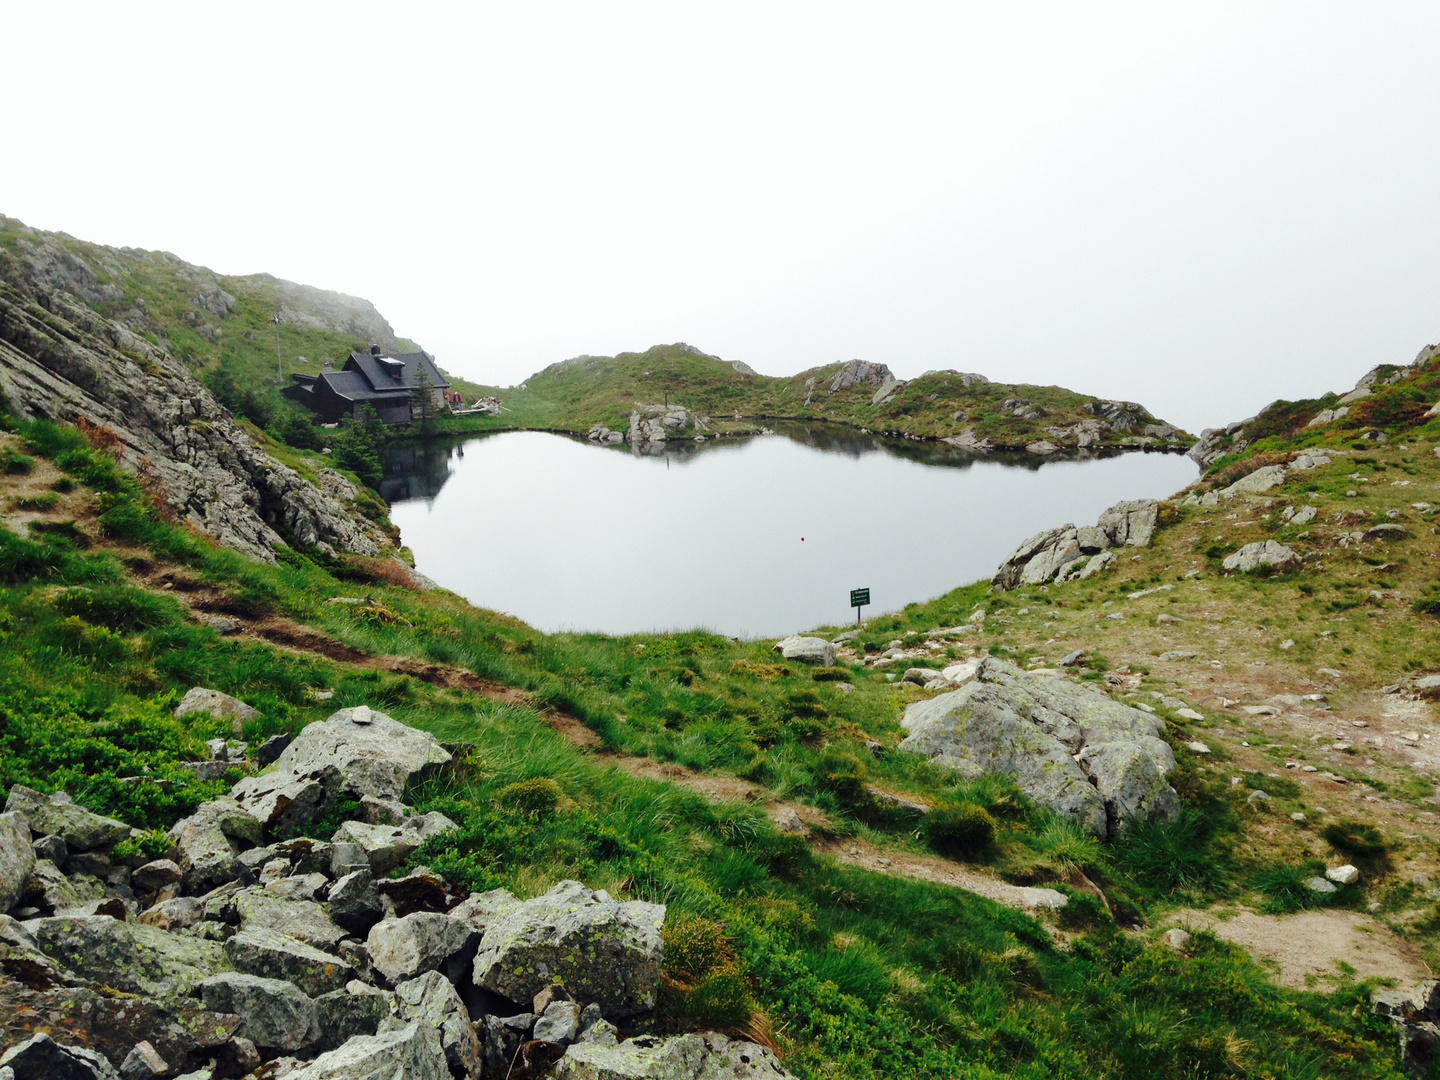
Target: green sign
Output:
[(859, 597)]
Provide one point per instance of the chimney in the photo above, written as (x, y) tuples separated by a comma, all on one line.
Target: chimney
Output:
[(374, 350)]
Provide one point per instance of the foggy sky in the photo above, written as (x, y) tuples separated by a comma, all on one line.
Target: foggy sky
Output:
[(1201, 207)]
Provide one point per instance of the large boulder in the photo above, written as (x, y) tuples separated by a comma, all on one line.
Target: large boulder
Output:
[(703, 1056), (59, 815), (373, 754), (274, 1014), (1069, 748), (1059, 554), (432, 1000), (387, 846), (1040, 558), (209, 843), (1262, 553), (281, 801), (42, 1058), (1130, 523), (17, 859), (273, 955), (356, 1010), (412, 1051), (401, 949), (127, 956), (1262, 479), (355, 901), (807, 650), (603, 951)]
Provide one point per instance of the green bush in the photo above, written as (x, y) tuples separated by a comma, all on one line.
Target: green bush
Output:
[(535, 798), (1169, 856), (1354, 839), (962, 832), (843, 774), (16, 463), (116, 607)]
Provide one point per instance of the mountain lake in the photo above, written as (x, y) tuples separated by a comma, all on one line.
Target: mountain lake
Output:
[(750, 536)]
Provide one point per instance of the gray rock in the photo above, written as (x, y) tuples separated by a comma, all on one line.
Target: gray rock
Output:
[(128, 956), (208, 843), (601, 1033), (177, 913), (273, 1014), (1069, 748), (1343, 875), (410, 1052), (1320, 885), (305, 920), (50, 847), (268, 752), (1270, 553), (156, 875), (346, 858), (479, 910), (355, 901), (41, 1058), (704, 1056), (560, 1022), (1262, 479), (48, 887), (431, 999), (401, 949), (1419, 1045), (1130, 523), (356, 1010), (807, 650), (275, 956), (386, 846), (282, 801), (602, 950), (501, 1040), (372, 754), (17, 859), (59, 815), (144, 1063), (199, 699)]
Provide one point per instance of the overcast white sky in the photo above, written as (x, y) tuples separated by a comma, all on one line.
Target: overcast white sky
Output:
[(1200, 206)]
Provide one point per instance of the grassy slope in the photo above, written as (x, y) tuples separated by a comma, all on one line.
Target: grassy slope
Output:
[(575, 395), (246, 344), (856, 974)]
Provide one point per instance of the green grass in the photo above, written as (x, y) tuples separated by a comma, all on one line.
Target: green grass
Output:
[(858, 974)]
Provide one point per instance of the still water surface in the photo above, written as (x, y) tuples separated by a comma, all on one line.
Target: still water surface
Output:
[(747, 537)]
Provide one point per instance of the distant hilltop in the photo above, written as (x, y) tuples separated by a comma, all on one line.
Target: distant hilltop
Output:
[(681, 391)]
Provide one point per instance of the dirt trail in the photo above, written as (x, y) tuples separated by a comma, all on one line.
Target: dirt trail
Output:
[(1306, 949)]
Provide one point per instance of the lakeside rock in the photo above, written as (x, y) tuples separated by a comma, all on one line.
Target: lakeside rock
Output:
[(1067, 552)]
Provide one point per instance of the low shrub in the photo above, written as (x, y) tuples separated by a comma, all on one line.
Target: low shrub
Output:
[(1354, 839), (962, 832), (1169, 856), (535, 798)]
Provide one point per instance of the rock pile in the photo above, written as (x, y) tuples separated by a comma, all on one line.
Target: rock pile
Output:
[(1069, 748), (245, 950), (1067, 552), (1415, 1015)]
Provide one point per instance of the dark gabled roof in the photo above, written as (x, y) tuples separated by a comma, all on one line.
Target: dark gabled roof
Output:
[(381, 376)]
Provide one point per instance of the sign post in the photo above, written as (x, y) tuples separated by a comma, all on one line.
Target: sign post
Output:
[(858, 599)]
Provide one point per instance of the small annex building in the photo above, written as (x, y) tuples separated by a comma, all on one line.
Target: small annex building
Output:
[(391, 384)]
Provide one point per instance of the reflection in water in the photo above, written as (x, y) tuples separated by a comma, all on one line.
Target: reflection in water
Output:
[(762, 535)]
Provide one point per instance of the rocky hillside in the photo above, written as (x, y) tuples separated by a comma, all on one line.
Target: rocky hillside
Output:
[(61, 360), (677, 391)]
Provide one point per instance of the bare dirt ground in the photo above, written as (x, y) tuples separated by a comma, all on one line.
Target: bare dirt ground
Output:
[(1306, 950)]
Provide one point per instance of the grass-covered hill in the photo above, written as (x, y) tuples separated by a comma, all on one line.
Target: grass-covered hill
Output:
[(883, 944), (221, 326), (575, 394)]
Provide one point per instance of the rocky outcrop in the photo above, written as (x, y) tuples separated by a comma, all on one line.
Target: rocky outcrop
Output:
[(61, 361), (267, 963), (1263, 554), (1067, 552), (858, 372), (1069, 748), (807, 650), (653, 424)]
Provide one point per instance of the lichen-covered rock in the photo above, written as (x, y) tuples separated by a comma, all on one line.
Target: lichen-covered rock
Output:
[(275, 956), (807, 650), (1262, 553), (1069, 748), (1262, 479), (704, 1056), (306, 920), (1059, 554), (401, 949), (273, 1013), (209, 842), (282, 801), (355, 901), (431, 999), (1130, 523), (17, 859), (387, 846), (128, 956), (356, 1010), (41, 1058), (59, 815), (601, 950), (409, 1052)]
